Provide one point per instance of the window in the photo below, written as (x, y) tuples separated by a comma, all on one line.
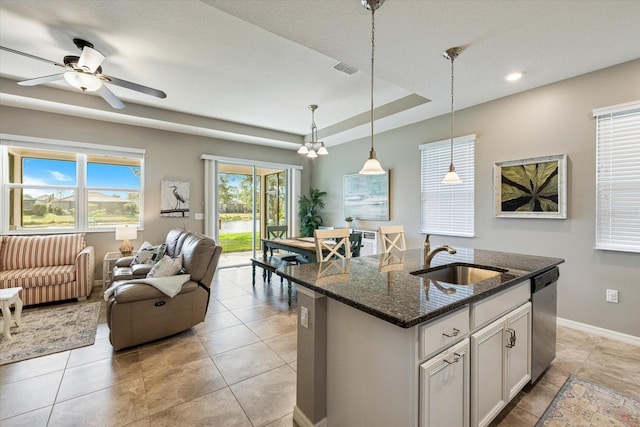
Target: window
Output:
[(618, 178), (69, 187), (448, 209)]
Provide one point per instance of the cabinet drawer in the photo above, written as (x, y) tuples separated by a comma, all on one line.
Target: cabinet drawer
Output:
[(491, 308), (442, 332)]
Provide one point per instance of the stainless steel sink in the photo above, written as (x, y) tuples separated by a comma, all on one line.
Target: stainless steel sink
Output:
[(460, 274)]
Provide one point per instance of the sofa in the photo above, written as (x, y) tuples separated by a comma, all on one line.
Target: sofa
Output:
[(48, 267), (138, 312)]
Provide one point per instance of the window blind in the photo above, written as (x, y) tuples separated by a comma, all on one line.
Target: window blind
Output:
[(618, 178), (448, 209)]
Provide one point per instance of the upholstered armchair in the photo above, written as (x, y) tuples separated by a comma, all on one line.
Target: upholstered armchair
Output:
[(139, 313)]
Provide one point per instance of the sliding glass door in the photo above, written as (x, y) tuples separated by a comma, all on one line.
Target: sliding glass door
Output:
[(238, 210), (248, 198)]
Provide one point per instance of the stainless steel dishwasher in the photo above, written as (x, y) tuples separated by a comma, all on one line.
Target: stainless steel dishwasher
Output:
[(544, 300)]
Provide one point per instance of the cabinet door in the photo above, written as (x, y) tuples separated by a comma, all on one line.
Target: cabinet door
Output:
[(444, 388), (518, 355), (488, 362)]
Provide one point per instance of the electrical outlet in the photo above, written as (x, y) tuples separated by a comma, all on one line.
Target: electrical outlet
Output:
[(612, 295), (304, 317)]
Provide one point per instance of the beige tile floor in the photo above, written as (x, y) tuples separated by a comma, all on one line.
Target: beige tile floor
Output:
[(237, 369)]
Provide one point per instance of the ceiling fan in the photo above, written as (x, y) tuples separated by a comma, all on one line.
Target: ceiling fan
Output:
[(84, 72)]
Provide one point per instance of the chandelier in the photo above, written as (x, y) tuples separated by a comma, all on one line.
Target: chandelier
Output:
[(314, 147)]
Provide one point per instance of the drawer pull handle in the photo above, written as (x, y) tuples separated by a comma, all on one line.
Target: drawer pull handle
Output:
[(512, 338), (453, 333), (456, 359), (160, 303)]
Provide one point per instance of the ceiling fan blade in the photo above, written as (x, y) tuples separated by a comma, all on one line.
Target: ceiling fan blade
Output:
[(42, 80), (28, 55), (90, 59), (134, 86), (109, 96)]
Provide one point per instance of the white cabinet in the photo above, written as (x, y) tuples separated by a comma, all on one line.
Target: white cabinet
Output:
[(500, 363), (444, 388)]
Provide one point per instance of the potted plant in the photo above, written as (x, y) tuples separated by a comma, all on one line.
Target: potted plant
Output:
[(348, 220), (310, 219)]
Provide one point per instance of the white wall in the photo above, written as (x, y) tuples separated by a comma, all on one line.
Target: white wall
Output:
[(554, 119), (169, 155)]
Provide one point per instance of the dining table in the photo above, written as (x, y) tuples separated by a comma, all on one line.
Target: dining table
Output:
[(305, 246)]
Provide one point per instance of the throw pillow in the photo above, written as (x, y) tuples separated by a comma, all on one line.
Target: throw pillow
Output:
[(167, 266), (148, 254)]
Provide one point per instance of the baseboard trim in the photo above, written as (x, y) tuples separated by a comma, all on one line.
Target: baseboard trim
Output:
[(301, 419), (601, 332)]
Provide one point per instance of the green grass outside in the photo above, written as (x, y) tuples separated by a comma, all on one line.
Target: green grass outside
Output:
[(237, 242), (50, 219)]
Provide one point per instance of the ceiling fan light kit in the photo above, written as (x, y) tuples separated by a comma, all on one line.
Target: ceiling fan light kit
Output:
[(84, 72), (83, 81), (372, 166)]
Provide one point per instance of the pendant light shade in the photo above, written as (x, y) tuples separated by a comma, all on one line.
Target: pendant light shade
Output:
[(372, 165), (452, 177), (314, 147)]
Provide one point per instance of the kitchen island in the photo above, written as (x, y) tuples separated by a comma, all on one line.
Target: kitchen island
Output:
[(369, 329)]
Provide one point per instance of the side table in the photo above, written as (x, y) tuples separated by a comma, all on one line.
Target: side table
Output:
[(108, 262), (7, 297)]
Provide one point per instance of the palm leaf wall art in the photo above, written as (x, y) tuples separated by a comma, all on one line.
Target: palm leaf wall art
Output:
[(531, 188)]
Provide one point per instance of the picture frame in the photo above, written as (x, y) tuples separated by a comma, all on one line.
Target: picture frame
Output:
[(531, 188), (366, 196), (174, 198)]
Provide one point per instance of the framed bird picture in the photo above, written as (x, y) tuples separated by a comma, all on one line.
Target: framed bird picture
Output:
[(174, 198)]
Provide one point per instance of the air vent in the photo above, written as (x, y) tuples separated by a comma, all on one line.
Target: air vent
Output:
[(345, 68)]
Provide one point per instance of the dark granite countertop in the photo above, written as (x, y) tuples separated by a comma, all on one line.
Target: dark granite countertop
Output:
[(382, 285)]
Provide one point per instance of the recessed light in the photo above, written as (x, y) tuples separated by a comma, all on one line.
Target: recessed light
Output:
[(512, 77)]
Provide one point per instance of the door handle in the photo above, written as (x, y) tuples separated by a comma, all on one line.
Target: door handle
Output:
[(512, 338)]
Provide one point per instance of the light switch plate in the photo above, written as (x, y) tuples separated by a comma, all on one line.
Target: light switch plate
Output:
[(612, 295), (199, 216), (304, 317)]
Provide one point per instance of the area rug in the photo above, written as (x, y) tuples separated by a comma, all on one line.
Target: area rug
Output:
[(50, 330), (583, 403)]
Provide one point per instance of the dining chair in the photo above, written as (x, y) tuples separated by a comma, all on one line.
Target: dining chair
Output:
[(355, 241), (280, 232), (392, 238), (332, 244)]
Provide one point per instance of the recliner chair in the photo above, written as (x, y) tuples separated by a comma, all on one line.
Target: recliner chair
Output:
[(139, 313)]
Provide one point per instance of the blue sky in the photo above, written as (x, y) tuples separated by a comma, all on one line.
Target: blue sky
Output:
[(63, 173)]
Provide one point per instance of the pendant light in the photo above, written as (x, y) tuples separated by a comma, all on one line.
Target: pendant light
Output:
[(372, 165), (314, 147), (452, 177)]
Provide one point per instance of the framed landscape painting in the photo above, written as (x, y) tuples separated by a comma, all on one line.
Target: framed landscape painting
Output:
[(531, 188), (366, 196)]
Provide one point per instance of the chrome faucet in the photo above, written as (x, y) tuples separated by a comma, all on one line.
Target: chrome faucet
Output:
[(429, 254)]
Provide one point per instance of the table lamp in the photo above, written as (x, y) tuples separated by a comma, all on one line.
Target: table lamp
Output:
[(124, 232)]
